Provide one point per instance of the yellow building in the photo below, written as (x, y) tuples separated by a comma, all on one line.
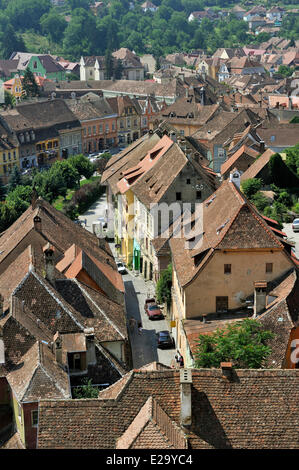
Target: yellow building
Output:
[(214, 274), (9, 154), (47, 151)]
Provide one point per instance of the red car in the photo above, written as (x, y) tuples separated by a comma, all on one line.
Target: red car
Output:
[(152, 310)]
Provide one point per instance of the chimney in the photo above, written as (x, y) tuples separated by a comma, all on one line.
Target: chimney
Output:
[(186, 403), (173, 136), (262, 146), (202, 96), (227, 370), (57, 346), (37, 221), (49, 263), (260, 294), (235, 177), (90, 346)]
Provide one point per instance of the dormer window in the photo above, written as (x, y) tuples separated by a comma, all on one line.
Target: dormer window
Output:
[(22, 138)]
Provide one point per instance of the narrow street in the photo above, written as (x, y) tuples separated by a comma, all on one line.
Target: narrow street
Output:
[(144, 345)]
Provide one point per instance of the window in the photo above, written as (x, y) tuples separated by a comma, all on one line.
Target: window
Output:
[(182, 132), (113, 126), (94, 130), (34, 418), (49, 145), (4, 157), (178, 196), (188, 181), (14, 155), (4, 169), (89, 131), (227, 269), (55, 143), (101, 128), (272, 138), (9, 156), (107, 128), (269, 267), (22, 139), (84, 131), (129, 122), (121, 124), (198, 194)]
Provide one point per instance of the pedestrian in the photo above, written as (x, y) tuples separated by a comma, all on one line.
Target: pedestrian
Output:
[(140, 327), (85, 221)]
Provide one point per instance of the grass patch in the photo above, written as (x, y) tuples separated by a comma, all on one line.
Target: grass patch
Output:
[(90, 180), (38, 44), (58, 203)]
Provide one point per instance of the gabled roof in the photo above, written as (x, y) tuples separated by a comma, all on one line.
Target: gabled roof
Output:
[(230, 163), (258, 165), (219, 406), (152, 428), (228, 222), (59, 231), (39, 376)]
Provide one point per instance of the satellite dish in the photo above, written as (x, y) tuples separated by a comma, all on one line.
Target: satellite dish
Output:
[(73, 95), (53, 95)]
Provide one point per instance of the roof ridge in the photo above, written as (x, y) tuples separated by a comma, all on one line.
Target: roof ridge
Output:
[(100, 310)]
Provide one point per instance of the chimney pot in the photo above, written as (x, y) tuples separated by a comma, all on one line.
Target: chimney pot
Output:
[(260, 295), (186, 403), (49, 263), (37, 221)]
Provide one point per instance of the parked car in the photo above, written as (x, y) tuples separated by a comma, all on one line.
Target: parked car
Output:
[(165, 340), (92, 155), (121, 268), (152, 310), (295, 225)]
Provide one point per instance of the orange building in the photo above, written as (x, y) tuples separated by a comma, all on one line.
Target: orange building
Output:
[(98, 121)]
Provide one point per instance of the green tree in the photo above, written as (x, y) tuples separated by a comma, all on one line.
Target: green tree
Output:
[(69, 174), (281, 175), (15, 179), (251, 186), (87, 390), (53, 25), (2, 190), (80, 36), (10, 41), (109, 66), (79, 4), (243, 343), (29, 84), (260, 201), (118, 70), (26, 14), (163, 287), (82, 164)]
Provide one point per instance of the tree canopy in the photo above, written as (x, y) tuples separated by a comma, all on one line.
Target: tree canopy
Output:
[(243, 343)]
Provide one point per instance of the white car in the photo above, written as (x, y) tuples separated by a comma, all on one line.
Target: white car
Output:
[(121, 267), (295, 225)]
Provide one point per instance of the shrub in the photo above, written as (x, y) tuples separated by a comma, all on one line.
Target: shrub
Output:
[(251, 187)]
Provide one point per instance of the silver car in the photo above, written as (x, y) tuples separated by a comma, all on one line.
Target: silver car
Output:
[(295, 225)]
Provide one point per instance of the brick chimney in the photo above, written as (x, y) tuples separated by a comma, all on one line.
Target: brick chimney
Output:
[(227, 370), (262, 146), (49, 263), (260, 294), (186, 403)]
